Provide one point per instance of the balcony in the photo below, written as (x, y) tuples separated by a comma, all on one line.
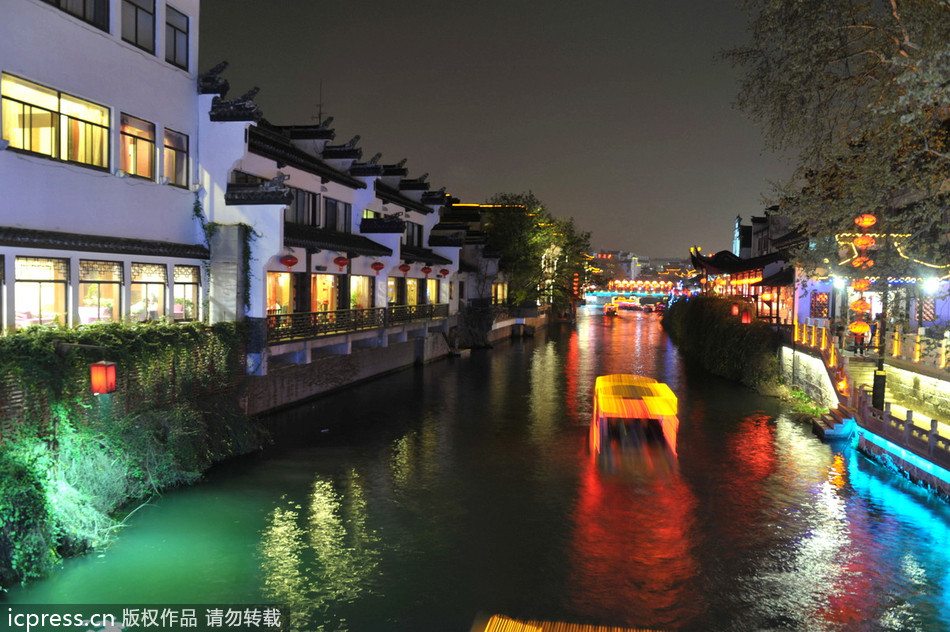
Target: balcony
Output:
[(310, 325)]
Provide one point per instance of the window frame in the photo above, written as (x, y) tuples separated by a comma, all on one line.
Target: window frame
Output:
[(59, 285), (137, 11), (193, 287), (180, 159), (63, 126), (88, 12), (172, 32), (135, 142), (117, 284)]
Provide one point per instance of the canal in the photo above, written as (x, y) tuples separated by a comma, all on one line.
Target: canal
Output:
[(432, 496)]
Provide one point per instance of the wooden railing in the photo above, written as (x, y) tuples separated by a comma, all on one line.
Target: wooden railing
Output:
[(309, 325)]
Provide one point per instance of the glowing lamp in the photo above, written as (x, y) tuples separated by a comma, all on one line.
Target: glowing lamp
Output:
[(102, 377), (861, 305), (405, 268), (842, 385), (445, 272), (377, 266), (862, 262), (735, 309), (746, 317), (859, 327), (863, 242), (865, 220), (766, 296), (288, 260), (426, 271), (341, 262), (860, 285)]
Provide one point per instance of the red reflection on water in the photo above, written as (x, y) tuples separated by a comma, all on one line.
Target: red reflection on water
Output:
[(630, 560), (572, 366)]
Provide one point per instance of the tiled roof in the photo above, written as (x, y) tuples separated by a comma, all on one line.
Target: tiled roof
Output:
[(391, 195), (212, 83), (726, 262), (45, 239), (274, 145), (240, 194), (242, 108), (411, 254), (301, 236)]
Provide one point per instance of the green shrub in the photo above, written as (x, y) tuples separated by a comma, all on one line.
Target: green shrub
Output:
[(27, 547)]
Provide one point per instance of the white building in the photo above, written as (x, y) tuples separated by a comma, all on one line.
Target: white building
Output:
[(99, 118)]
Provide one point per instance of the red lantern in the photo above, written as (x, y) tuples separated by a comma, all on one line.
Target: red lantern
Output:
[(426, 271), (860, 285), (862, 262), (863, 242), (746, 317), (445, 272), (341, 262), (288, 260), (865, 220), (735, 309), (102, 377), (377, 266), (405, 268), (861, 305), (859, 327)]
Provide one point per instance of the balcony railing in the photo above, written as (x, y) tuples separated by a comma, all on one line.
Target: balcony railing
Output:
[(309, 325)]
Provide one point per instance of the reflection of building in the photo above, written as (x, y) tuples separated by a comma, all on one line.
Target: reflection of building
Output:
[(97, 172)]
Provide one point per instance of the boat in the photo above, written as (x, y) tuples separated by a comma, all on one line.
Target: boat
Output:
[(610, 309), (628, 405)]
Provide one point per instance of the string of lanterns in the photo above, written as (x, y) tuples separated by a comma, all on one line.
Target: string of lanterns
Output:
[(863, 243)]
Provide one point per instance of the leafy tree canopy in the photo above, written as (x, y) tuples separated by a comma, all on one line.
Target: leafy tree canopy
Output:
[(858, 90)]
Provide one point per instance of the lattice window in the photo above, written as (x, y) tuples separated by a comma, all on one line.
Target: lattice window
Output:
[(149, 273), (819, 305), (100, 271)]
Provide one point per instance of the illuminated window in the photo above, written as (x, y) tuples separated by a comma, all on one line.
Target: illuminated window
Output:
[(138, 23), (279, 294), (95, 12), (39, 291), (176, 37), (393, 290), (147, 291), (324, 289), (413, 294), (186, 292), (137, 147), (175, 166), (819, 305), (499, 293), (100, 291), (432, 290), (50, 123), (361, 292)]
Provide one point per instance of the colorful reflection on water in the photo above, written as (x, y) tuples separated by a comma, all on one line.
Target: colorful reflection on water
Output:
[(436, 495)]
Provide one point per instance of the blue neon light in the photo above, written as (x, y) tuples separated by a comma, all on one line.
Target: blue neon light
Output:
[(906, 455)]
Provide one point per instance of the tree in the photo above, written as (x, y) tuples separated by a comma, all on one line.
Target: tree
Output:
[(858, 90), (539, 253)]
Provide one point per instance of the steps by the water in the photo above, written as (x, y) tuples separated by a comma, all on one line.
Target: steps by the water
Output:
[(837, 423)]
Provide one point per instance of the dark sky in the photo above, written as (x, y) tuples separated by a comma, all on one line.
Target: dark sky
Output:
[(614, 112)]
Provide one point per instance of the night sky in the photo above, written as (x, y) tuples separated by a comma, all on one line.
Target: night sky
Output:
[(616, 113)]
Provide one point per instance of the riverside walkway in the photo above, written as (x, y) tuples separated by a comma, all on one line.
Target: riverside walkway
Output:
[(912, 428)]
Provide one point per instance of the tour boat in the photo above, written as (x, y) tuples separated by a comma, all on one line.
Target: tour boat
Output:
[(610, 309), (630, 405)]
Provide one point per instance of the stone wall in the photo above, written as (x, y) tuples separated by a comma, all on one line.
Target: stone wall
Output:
[(808, 374), (927, 396)]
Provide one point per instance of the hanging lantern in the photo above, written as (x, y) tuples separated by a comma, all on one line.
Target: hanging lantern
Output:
[(445, 272), (341, 262), (767, 297), (102, 377), (746, 317), (861, 285), (377, 266), (859, 327), (405, 268), (863, 242), (426, 271), (865, 220), (862, 262), (735, 309), (861, 306), (288, 260)]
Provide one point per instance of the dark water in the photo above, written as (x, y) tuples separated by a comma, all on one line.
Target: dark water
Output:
[(425, 499)]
